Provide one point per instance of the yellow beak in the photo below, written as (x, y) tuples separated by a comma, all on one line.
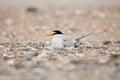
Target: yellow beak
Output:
[(50, 35)]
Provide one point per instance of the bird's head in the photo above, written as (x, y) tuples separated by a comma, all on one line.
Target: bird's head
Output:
[(55, 32)]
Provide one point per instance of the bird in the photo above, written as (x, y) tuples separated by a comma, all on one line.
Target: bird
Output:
[(59, 40)]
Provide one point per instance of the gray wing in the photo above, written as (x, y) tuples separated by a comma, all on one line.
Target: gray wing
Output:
[(68, 41)]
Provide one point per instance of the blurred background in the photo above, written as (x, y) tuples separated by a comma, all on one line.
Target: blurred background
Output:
[(60, 3), (31, 20)]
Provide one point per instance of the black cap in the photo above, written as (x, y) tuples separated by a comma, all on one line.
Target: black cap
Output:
[(57, 32)]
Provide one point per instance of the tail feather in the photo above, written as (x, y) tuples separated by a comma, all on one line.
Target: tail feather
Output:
[(83, 36)]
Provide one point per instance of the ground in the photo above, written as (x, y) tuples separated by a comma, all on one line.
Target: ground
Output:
[(25, 53)]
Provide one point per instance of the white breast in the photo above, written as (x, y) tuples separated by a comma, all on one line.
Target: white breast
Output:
[(57, 41)]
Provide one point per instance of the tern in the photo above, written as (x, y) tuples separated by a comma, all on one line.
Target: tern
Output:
[(59, 40)]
